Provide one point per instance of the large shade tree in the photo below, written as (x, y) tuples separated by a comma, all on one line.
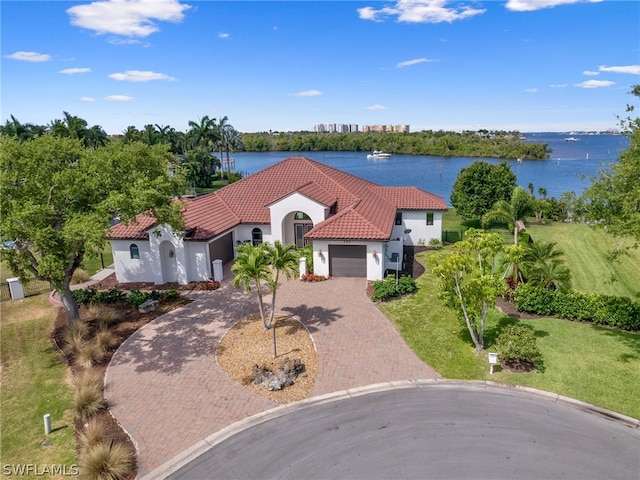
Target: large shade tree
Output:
[(612, 201), (59, 199), (479, 186)]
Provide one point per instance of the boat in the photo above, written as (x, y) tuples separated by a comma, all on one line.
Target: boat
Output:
[(571, 139), (378, 155)]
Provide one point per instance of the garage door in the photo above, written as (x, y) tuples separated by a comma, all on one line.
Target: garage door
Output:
[(348, 260)]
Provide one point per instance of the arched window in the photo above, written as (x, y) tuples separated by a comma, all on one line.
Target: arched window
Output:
[(302, 216), (133, 250), (256, 236)]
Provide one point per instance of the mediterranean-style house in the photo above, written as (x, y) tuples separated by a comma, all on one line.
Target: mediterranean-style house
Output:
[(356, 228)]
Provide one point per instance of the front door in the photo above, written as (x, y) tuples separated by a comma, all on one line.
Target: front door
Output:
[(300, 230)]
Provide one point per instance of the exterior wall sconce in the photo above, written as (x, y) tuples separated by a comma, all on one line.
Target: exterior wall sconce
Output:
[(320, 253), (374, 254), (171, 254)]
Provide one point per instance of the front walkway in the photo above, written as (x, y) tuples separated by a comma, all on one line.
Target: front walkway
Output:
[(164, 387)]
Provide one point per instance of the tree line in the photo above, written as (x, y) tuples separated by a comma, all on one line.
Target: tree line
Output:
[(481, 143)]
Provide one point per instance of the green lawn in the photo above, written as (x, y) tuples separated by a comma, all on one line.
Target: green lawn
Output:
[(592, 364), (34, 383)]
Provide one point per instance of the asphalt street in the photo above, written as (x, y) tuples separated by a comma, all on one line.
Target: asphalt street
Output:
[(447, 432)]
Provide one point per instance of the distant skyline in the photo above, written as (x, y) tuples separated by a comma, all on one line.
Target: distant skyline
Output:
[(528, 65)]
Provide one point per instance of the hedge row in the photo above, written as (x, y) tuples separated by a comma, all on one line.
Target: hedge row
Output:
[(389, 288), (619, 312), (86, 296)]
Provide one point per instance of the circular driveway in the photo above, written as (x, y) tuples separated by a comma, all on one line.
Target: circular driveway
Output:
[(435, 430)]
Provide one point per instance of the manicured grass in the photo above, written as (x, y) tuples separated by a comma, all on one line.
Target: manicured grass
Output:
[(34, 382), (586, 253), (93, 263), (592, 364)]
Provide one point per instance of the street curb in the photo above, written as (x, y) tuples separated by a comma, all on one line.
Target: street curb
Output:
[(214, 439)]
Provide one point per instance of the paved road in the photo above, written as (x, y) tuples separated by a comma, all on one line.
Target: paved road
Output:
[(431, 432)]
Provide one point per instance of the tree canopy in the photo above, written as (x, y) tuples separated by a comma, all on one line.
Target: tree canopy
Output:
[(59, 199), (479, 186), (612, 201)]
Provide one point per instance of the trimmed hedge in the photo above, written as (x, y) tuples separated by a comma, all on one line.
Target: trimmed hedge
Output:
[(89, 295), (612, 311), (388, 288)]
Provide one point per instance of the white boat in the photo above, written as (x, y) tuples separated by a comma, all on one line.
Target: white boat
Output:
[(378, 154), (571, 139)]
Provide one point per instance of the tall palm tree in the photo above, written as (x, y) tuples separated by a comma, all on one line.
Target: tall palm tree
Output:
[(204, 132), (511, 212), (543, 266), (251, 269), (282, 259)]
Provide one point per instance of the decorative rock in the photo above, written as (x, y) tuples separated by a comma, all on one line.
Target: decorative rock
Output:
[(149, 306), (285, 374)]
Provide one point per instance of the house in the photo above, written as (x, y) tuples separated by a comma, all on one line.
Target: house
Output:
[(356, 228)]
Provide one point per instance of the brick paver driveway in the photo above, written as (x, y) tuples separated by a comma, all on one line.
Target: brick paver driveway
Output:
[(164, 387)]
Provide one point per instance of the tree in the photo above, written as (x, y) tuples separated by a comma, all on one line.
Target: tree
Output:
[(204, 133), (510, 212), (282, 259), (59, 197), (468, 283), (251, 270), (543, 266), (612, 201), (479, 186)]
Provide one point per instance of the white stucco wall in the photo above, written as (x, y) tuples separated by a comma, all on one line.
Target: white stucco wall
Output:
[(243, 232), (168, 268), (416, 220), (198, 262), (295, 202), (132, 270), (375, 265)]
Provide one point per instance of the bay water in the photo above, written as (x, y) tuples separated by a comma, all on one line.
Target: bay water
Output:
[(571, 165)]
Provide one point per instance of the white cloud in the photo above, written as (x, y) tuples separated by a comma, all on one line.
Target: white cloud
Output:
[(595, 84), (29, 56), (632, 69), (590, 73), (74, 71), (532, 5), (559, 85), (87, 99), (376, 107), (531, 90), (415, 61), (223, 35), (129, 18), (308, 93), (420, 11), (118, 98), (139, 76)]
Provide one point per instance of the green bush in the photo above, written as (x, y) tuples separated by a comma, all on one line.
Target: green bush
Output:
[(84, 296), (388, 288), (435, 243), (113, 295), (517, 347), (612, 311), (169, 295)]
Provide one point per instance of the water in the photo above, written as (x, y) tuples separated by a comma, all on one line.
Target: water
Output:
[(569, 168)]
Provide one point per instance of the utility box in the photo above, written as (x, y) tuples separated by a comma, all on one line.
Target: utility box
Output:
[(15, 287), (217, 270)]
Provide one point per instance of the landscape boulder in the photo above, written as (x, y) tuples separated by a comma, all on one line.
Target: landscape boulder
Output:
[(149, 306)]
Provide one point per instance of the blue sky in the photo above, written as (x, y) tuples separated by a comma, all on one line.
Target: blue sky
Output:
[(529, 65)]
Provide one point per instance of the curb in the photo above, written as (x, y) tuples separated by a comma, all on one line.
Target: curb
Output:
[(214, 439)]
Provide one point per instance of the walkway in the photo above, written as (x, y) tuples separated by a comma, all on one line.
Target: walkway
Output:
[(165, 388)]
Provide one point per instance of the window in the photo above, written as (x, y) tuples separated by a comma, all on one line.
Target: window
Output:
[(133, 250), (302, 216), (429, 218), (256, 236), (398, 218)]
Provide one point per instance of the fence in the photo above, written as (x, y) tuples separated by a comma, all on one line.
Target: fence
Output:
[(32, 287), (452, 236)]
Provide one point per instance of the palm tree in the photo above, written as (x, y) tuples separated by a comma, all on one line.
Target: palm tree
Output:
[(282, 258), (543, 266), (511, 212), (71, 126), (251, 269), (204, 132)]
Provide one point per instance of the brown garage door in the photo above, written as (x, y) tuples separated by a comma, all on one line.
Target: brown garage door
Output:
[(348, 260)]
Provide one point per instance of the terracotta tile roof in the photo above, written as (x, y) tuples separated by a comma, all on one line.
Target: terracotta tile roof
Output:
[(364, 210)]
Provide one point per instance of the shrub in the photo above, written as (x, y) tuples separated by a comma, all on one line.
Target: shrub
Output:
[(388, 288), (169, 295), (113, 295), (312, 277), (84, 296), (88, 354), (74, 337), (518, 348), (106, 316), (137, 298), (92, 434), (107, 460), (435, 244), (89, 399), (105, 339), (79, 276)]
